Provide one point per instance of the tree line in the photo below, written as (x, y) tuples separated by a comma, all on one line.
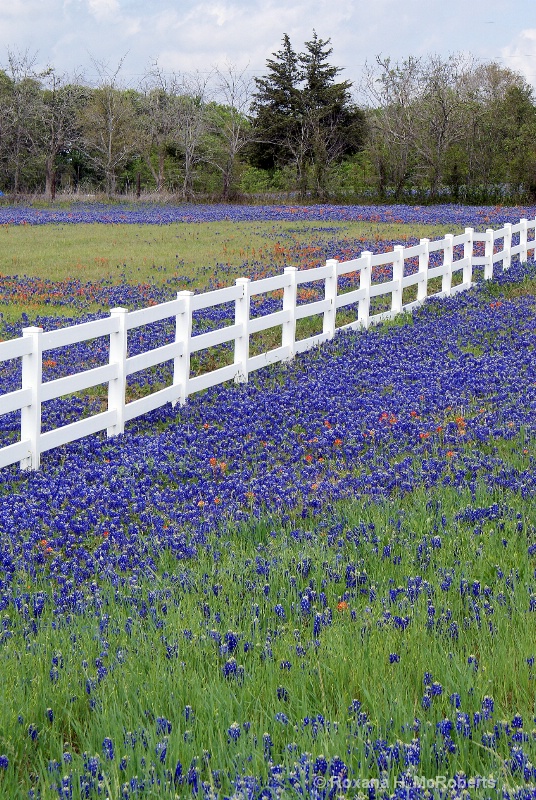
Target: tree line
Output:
[(424, 129)]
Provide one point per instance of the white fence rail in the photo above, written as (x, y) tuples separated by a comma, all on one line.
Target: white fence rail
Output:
[(34, 342)]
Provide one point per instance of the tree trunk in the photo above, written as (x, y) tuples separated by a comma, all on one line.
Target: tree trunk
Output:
[(49, 177), (161, 162)]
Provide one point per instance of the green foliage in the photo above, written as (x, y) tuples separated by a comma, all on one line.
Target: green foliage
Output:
[(433, 130), (303, 117)]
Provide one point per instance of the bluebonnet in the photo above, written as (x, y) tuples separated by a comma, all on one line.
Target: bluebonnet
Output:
[(86, 490)]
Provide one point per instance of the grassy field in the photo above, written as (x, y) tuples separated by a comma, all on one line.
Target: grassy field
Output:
[(325, 575), (140, 253)]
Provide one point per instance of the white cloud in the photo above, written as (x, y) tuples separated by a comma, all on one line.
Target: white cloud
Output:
[(244, 34), (219, 12), (11, 9), (101, 9), (520, 55), (184, 35)]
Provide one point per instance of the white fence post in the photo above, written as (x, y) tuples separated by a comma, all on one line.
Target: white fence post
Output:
[(424, 260), (288, 335), (467, 273), (446, 283), (523, 241), (32, 374), (398, 274), (117, 387), (242, 308), (365, 279), (330, 294), (183, 334), (488, 253), (507, 246)]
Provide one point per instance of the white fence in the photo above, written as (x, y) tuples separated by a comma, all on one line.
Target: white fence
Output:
[(34, 342)]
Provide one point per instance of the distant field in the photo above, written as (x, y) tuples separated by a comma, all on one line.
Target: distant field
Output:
[(141, 253)]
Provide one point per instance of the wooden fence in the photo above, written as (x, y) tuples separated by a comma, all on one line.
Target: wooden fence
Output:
[(458, 254)]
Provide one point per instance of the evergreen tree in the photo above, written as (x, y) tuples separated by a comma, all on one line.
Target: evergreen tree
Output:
[(303, 117), (276, 108), (335, 127)]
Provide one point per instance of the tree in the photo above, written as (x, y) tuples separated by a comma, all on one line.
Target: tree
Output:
[(230, 126), (392, 90), (453, 122), (156, 127), (172, 123), (192, 125), (518, 118), (109, 126), (439, 113), (62, 103), (334, 126), (21, 114), (276, 109), (303, 116)]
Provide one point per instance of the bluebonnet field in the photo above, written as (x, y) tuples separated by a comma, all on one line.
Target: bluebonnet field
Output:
[(151, 214), (326, 575)]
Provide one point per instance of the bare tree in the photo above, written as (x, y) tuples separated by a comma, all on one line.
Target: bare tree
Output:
[(21, 115), (192, 125), (231, 127), (419, 114), (108, 124), (173, 121), (157, 122), (62, 103), (439, 113), (392, 91)]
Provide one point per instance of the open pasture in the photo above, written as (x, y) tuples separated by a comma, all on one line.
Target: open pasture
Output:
[(86, 248), (324, 575), (87, 262)]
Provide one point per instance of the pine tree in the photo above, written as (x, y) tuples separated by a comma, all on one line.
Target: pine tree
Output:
[(276, 108), (303, 117), (335, 127)]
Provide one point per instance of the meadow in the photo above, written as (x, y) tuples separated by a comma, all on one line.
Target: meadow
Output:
[(318, 584)]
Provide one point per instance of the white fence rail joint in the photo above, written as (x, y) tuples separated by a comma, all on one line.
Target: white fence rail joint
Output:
[(34, 342)]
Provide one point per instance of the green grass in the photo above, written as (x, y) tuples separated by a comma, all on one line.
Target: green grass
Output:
[(150, 253), (149, 681), (187, 256), (146, 683)]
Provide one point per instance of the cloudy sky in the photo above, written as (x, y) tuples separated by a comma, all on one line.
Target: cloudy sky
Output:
[(186, 35)]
